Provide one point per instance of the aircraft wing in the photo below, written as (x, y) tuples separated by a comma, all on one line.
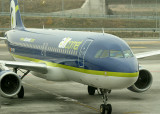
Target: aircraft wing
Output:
[(3, 38), (36, 67), (147, 54)]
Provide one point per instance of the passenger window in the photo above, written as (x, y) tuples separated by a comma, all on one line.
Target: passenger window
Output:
[(117, 54)]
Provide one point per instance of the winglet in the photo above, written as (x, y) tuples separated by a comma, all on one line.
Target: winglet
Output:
[(16, 21)]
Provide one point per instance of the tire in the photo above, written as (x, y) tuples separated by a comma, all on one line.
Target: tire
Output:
[(21, 93), (109, 108), (91, 90), (102, 109)]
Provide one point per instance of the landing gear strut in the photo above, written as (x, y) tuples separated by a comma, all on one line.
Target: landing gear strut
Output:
[(21, 92), (105, 107)]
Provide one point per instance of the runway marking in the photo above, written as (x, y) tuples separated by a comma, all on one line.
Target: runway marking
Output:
[(74, 100), (65, 98), (87, 106)]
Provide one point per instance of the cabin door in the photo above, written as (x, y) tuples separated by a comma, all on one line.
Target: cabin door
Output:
[(82, 52)]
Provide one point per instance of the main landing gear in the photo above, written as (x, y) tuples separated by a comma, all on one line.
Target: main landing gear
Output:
[(91, 90), (21, 92), (104, 108)]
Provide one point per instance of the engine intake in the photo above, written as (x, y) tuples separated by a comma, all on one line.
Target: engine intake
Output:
[(143, 83), (10, 83)]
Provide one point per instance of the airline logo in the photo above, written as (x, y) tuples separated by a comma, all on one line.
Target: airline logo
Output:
[(68, 44), (64, 42), (27, 39)]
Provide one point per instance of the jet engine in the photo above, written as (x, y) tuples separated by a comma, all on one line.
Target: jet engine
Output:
[(143, 83), (10, 83)]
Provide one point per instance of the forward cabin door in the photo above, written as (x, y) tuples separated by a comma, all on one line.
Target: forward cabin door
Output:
[(83, 51)]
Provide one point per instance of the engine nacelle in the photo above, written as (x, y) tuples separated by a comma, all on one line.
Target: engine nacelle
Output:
[(10, 83), (143, 83)]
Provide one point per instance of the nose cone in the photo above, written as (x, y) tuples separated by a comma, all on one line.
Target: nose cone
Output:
[(125, 65), (122, 72)]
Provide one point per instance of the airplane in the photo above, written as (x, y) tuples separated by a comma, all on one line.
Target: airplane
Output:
[(99, 60)]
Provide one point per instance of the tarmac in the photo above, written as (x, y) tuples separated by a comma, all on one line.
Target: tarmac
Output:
[(46, 97)]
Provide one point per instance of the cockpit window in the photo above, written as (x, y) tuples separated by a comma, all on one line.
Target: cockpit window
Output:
[(117, 54), (105, 54), (98, 54), (102, 54), (128, 54), (113, 53)]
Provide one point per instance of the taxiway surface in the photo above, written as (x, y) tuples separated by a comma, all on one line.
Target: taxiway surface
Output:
[(46, 97)]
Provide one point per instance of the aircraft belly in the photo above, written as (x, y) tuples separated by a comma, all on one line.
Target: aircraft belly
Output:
[(39, 75), (99, 81), (55, 74)]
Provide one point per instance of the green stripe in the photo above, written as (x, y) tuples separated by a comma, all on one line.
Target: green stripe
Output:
[(104, 73), (17, 8)]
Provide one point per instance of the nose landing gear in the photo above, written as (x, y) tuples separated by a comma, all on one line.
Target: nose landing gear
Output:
[(105, 107)]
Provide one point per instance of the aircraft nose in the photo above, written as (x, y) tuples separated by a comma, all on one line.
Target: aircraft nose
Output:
[(126, 69), (126, 65)]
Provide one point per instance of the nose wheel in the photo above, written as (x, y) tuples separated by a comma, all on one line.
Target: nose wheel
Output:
[(105, 107)]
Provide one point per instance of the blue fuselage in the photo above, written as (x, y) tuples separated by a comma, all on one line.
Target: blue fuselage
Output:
[(89, 54), (93, 51)]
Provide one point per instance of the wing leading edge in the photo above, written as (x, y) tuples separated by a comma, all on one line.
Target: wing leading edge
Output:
[(147, 54), (3, 38), (36, 67)]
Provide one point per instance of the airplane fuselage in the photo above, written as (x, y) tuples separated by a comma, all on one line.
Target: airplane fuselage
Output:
[(99, 60), (95, 59)]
